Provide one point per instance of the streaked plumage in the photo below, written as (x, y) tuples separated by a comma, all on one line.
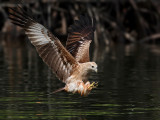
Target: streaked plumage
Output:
[(70, 64), (81, 33)]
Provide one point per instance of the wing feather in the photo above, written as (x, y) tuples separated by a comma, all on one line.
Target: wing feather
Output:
[(47, 45), (81, 33)]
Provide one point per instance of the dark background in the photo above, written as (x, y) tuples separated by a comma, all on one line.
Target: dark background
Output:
[(124, 21), (126, 49)]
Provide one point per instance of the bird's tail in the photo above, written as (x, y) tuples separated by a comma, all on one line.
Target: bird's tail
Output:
[(58, 90)]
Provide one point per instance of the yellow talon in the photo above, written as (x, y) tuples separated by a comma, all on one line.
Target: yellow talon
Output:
[(93, 85)]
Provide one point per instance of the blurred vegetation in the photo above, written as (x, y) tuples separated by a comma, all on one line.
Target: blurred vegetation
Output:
[(125, 21)]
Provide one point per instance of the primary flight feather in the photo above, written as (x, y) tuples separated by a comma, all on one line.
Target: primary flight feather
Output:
[(70, 64), (81, 33)]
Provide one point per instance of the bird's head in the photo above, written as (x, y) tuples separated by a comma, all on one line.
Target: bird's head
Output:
[(92, 66)]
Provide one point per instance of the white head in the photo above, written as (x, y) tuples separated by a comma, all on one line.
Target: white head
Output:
[(93, 66), (90, 66)]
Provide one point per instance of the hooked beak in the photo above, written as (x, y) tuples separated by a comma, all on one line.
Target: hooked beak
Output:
[(96, 70)]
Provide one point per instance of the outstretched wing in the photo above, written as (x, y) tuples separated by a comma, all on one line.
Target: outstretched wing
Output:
[(48, 46), (81, 33)]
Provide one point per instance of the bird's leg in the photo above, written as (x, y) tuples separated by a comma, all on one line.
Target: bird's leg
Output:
[(93, 85)]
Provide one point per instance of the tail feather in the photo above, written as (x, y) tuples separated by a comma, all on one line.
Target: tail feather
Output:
[(58, 90)]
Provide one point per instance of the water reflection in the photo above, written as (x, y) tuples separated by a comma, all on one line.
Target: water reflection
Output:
[(128, 85)]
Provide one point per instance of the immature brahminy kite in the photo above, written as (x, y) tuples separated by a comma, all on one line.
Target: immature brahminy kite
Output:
[(70, 64)]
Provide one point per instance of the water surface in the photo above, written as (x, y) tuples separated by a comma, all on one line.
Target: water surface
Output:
[(128, 76)]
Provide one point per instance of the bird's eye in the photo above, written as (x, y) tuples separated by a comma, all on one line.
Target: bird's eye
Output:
[(92, 66)]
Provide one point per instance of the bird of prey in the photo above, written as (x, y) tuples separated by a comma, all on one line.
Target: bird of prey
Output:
[(71, 64)]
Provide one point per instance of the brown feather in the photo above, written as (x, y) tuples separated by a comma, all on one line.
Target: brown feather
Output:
[(47, 45), (81, 33)]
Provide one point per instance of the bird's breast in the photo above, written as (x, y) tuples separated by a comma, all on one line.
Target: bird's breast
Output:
[(72, 87)]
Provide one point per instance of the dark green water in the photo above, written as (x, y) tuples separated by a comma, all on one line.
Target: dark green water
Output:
[(129, 86)]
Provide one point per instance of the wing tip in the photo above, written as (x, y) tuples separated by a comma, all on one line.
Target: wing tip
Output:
[(19, 16), (84, 21)]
